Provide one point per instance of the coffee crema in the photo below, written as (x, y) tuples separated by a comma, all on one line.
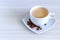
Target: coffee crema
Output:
[(40, 12)]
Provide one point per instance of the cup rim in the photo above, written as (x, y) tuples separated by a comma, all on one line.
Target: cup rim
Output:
[(37, 7)]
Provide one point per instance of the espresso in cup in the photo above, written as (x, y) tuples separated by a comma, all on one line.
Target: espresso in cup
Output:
[(40, 12), (39, 15)]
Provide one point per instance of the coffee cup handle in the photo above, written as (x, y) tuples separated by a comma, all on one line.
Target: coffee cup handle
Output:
[(51, 15)]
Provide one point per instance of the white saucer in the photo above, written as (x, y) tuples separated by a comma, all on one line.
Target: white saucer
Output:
[(45, 27)]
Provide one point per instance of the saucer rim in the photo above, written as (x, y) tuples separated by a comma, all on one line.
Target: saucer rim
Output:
[(32, 29)]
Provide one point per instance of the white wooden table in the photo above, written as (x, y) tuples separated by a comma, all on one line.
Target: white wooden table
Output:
[(12, 12)]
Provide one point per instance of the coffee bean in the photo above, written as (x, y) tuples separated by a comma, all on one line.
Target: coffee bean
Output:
[(44, 24), (32, 25)]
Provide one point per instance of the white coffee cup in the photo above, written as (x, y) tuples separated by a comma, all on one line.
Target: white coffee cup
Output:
[(42, 21)]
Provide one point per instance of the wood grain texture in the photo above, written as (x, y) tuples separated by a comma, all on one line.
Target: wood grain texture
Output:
[(12, 12)]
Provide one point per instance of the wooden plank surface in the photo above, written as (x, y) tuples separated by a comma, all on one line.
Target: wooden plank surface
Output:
[(11, 14)]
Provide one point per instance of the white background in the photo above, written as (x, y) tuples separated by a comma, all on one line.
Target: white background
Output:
[(12, 12)]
